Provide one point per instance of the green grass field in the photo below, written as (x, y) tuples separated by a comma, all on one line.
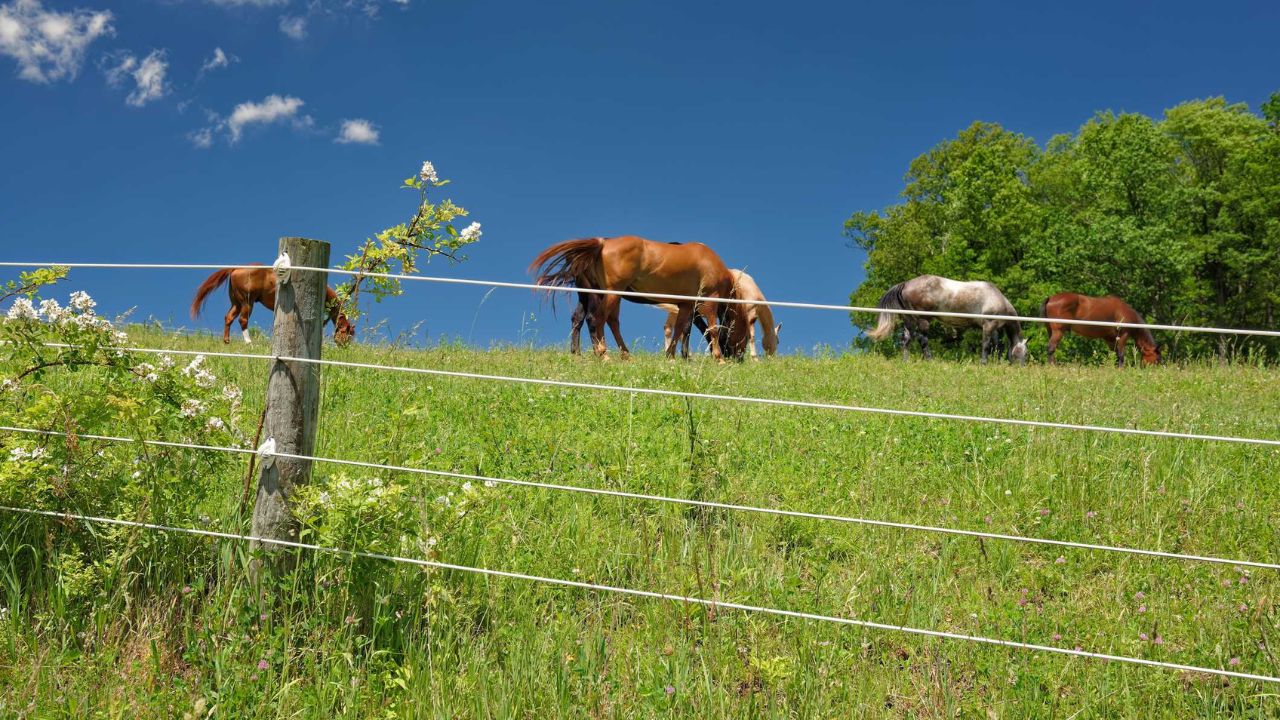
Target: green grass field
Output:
[(368, 639)]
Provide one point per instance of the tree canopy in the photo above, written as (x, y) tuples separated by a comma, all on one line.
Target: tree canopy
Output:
[(1180, 216)]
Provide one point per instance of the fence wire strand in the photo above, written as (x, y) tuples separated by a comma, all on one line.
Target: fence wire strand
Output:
[(658, 296), (654, 595), (673, 500)]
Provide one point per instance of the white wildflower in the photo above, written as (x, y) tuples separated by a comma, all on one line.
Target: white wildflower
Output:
[(205, 379), (471, 232), (443, 501), (324, 499), (191, 408), (81, 301), (194, 367), (8, 385), (22, 309), (490, 484), (428, 173), (17, 454), (52, 311), (166, 362), (431, 541), (119, 337), (232, 394), (136, 474), (215, 423), (466, 487)]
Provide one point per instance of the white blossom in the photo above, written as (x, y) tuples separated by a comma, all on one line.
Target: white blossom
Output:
[(192, 407), (166, 362), (194, 367), (81, 301), (324, 499), (428, 173), (19, 453), (22, 309), (443, 500), (471, 232), (215, 423), (490, 484), (119, 337), (53, 312), (231, 393), (205, 379), (8, 385)]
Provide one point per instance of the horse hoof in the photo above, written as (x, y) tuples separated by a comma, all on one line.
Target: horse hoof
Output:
[(626, 356)]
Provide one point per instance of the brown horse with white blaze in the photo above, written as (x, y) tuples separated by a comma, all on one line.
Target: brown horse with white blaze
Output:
[(634, 264), (247, 286), (1074, 306)]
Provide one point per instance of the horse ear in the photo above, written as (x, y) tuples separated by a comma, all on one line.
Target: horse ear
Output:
[(777, 329)]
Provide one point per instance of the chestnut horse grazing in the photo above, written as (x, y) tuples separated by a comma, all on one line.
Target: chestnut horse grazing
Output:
[(930, 292), (250, 285), (745, 288), (1073, 306), (631, 263)]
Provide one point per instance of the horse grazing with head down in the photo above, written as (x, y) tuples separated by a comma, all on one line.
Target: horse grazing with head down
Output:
[(1073, 306), (631, 263), (250, 285), (745, 288), (939, 294)]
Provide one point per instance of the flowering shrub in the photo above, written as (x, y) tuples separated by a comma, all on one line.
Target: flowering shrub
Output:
[(64, 370), (396, 249)]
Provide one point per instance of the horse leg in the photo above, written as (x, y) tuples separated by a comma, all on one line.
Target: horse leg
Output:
[(575, 328), (680, 331), (616, 329), (668, 332), (711, 313), (751, 341), (986, 341), (244, 322), (923, 339), (906, 339), (1121, 339), (1055, 337), (599, 316), (226, 324)]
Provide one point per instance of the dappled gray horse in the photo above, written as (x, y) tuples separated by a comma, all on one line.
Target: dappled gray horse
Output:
[(939, 294)]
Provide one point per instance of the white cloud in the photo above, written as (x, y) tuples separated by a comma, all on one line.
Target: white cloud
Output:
[(294, 26), (248, 3), (148, 76), (219, 59), (358, 131), (49, 45), (272, 109), (202, 138)]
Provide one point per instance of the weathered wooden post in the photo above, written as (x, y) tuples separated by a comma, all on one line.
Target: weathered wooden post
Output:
[(293, 396)]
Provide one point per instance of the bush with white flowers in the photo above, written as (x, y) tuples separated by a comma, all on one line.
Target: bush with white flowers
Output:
[(67, 370)]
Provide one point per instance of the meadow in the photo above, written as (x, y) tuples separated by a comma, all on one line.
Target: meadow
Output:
[(181, 630)]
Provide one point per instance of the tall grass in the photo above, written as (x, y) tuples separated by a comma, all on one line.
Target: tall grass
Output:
[(360, 639)]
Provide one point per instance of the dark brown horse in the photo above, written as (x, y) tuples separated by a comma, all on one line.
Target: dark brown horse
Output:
[(1073, 306), (631, 263), (250, 285)]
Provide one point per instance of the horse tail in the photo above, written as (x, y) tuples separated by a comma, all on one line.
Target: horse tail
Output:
[(209, 285), (1044, 307), (891, 300), (572, 262)]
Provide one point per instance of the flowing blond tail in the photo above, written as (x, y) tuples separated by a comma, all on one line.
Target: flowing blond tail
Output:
[(891, 300)]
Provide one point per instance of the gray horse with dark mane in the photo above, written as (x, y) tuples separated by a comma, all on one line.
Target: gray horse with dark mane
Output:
[(939, 294)]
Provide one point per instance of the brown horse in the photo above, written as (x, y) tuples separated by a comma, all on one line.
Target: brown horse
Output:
[(1073, 306), (745, 288), (250, 285), (631, 263)]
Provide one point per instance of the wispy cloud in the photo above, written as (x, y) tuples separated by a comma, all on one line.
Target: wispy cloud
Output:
[(248, 3), (219, 59), (49, 45), (272, 110), (359, 132), (294, 26), (148, 75)]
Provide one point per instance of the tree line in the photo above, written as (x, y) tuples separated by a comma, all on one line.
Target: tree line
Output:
[(1180, 216)]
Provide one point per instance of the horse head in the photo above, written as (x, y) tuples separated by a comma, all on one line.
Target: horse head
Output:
[(770, 340), (343, 331), (1018, 353), (739, 330), (1151, 354)]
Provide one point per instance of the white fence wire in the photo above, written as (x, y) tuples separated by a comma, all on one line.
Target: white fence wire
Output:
[(664, 499), (657, 296), (680, 501), (686, 599)]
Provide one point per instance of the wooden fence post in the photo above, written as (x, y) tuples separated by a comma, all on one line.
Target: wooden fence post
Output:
[(293, 396)]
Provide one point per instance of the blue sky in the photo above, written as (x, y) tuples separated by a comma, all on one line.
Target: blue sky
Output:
[(753, 127)]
